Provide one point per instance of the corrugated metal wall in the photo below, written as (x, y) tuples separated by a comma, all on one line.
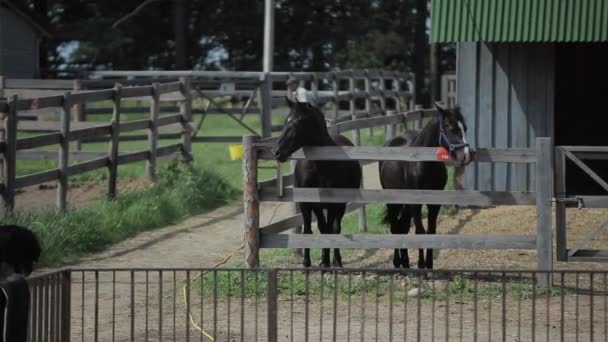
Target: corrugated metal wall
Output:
[(519, 20), (506, 92)]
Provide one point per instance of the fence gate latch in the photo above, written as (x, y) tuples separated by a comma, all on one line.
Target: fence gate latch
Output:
[(580, 204)]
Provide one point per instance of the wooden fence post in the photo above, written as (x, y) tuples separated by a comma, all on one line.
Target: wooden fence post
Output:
[(66, 289), (266, 99), (153, 132), (357, 142), (251, 202), (64, 152), (78, 111), (335, 88), (368, 100), (560, 206), (2, 85), (390, 128), (10, 154), (544, 194), (114, 139), (185, 109)]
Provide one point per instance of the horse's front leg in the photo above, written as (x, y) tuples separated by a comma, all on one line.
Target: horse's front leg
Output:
[(432, 229), (337, 229), (323, 228), (306, 210), (417, 215)]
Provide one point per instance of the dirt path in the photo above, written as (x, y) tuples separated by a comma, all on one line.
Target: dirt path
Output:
[(206, 240)]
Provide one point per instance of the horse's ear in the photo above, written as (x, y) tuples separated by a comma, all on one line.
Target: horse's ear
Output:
[(444, 112)]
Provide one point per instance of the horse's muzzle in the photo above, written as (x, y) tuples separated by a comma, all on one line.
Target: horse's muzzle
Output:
[(279, 156)]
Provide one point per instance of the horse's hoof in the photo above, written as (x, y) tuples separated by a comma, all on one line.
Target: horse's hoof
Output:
[(307, 263), (324, 264)]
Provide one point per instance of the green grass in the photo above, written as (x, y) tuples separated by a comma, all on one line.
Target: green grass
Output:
[(225, 283), (182, 191)]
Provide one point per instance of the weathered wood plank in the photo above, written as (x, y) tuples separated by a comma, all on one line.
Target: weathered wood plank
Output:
[(332, 195), (376, 153), (10, 160), (91, 96), (593, 201), (88, 165), (590, 255), (485, 113), (36, 178), (153, 133), (26, 83), (52, 155), (369, 241), (62, 158), (592, 155), (114, 141), (128, 92), (296, 220), (165, 88), (168, 150), (95, 131), (48, 126), (502, 115), (467, 74), (135, 125), (544, 195), (169, 119), (251, 202), (519, 101), (132, 157), (40, 102), (38, 141), (586, 148), (560, 207)]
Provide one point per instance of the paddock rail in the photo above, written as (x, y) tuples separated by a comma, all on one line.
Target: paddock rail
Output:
[(257, 237)]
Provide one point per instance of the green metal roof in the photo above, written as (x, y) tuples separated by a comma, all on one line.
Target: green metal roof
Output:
[(519, 21)]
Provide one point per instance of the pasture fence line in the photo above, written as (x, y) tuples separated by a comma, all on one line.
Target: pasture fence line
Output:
[(14, 147), (74, 99), (276, 190), (350, 304)]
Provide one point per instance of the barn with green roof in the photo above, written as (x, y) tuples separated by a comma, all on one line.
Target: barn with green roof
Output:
[(527, 69)]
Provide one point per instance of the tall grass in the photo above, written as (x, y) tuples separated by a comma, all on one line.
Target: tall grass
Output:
[(181, 191)]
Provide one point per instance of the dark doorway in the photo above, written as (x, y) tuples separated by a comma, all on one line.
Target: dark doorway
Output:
[(581, 110)]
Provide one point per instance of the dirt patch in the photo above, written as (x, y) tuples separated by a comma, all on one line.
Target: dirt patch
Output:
[(44, 196)]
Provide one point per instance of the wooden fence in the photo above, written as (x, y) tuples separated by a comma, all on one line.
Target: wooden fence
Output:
[(577, 155), (384, 89), (13, 147), (275, 190)]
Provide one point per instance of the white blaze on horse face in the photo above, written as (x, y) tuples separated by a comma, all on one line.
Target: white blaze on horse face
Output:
[(467, 156)]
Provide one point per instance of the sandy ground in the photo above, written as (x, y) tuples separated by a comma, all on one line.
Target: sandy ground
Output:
[(206, 240)]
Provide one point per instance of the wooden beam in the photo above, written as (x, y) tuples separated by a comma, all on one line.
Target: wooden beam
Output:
[(132, 157), (91, 96), (88, 165), (587, 169), (332, 195), (295, 221), (373, 241), (38, 141), (36, 178), (376, 153), (95, 131), (590, 255), (135, 125)]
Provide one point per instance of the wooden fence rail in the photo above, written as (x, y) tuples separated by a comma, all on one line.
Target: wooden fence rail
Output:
[(13, 147), (266, 237)]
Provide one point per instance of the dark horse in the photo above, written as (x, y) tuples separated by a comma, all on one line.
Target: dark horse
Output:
[(305, 126), (446, 130)]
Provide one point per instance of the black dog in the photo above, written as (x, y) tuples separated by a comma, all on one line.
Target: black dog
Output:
[(19, 251)]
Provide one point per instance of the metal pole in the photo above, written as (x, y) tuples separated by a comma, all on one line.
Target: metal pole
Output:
[(268, 35)]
